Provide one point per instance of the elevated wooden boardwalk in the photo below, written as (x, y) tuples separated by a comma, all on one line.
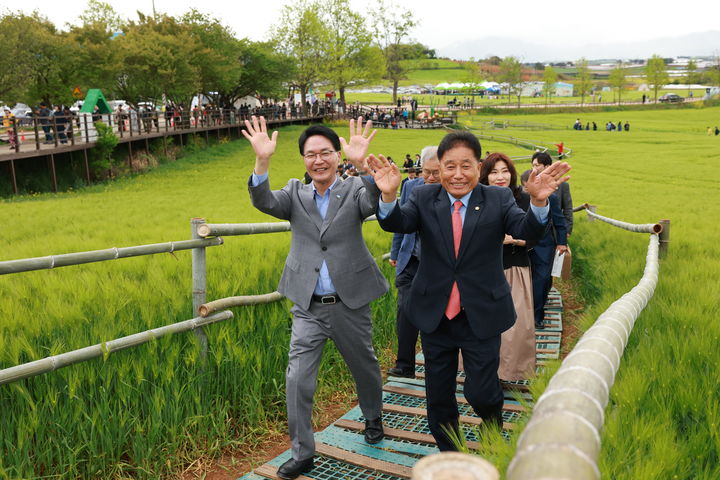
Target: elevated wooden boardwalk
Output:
[(341, 449)]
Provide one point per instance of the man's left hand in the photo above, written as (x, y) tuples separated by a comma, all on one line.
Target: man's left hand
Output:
[(562, 249), (356, 150), (541, 185)]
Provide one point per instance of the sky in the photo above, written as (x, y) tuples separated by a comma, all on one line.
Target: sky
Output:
[(442, 25)]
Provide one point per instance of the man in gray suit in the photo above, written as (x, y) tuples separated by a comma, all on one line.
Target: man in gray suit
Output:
[(330, 290)]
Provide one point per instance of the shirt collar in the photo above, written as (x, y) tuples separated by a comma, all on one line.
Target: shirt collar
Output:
[(327, 192), (465, 199)]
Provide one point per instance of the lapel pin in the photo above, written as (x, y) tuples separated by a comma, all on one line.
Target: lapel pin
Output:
[(337, 196), (477, 208)]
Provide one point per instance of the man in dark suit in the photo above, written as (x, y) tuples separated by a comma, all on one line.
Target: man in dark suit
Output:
[(459, 298), (331, 295), (405, 257)]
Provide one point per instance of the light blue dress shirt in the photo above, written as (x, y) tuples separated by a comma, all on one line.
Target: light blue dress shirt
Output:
[(324, 284), (541, 213)]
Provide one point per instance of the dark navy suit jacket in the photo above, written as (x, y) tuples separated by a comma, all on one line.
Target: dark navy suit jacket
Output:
[(478, 270)]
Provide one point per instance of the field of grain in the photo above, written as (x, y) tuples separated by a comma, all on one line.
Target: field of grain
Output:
[(151, 411)]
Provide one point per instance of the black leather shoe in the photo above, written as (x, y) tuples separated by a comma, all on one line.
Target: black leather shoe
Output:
[(540, 325), (399, 372), (293, 468), (374, 432)]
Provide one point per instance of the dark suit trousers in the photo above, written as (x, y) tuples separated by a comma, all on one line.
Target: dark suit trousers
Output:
[(407, 333), (541, 259), (482, 389)]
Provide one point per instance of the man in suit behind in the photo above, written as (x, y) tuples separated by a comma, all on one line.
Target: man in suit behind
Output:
[(405, 257), (459, 298), (331, 293)]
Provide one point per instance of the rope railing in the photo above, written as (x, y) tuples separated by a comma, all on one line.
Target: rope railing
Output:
[(49, 364), (655, 228), (562, 437)]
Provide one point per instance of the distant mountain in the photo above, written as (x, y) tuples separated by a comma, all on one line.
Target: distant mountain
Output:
[(693, 44)]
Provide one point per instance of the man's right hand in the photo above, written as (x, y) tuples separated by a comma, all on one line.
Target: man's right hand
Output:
[(387, 176), (393, 263), (264, 146)]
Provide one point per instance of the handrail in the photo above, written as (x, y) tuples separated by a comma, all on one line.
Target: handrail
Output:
[(104, 349), (562, 437), (231, 229), (77, 258), (240, 301), (655, 228)]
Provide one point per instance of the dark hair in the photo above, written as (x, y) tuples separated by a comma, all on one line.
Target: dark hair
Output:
[(543, 158), (465, 139), (525, 176), (489, 163), (321, 130)]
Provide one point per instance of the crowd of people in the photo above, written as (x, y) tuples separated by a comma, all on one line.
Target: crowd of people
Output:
[(467, 247), (609, 126)]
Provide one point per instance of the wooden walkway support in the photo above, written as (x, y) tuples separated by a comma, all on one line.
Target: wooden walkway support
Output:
[(341, 449)]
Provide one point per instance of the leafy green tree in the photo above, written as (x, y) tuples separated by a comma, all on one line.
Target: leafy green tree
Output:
[(617, 80), (216, 54), (583, 79), (550, 77), (391, 26), (35, 62), (103, 14), (472, 74), (511, 73), (264, 73), (656, 73), (350, 51), (301, 35)]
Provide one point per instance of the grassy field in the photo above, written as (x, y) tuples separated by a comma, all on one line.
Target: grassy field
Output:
[(607, 98), (662, 420), (151, 411)]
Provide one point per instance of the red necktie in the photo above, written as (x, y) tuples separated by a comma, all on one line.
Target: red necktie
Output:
[(453, 306)]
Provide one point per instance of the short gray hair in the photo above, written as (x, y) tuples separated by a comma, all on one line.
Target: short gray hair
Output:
[(428, 153)]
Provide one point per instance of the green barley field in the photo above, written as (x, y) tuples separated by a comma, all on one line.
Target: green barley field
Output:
[(150, 412)]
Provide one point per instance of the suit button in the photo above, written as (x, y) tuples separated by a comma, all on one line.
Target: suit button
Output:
[(317, 269), (324, 248)]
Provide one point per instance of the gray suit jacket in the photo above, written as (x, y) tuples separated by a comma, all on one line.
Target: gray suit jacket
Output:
[(338, 239)]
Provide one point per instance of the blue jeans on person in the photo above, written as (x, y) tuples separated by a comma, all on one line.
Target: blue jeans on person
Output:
[(48, 136), (61, 134)]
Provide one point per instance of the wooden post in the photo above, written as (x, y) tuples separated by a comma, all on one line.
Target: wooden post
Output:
[(12, 176), (52, 172), (593, 209), (165, 145), (15, 134), (130, 155), (454, 465), (664, 238), (87, 165), (37, 134), (54, 130), (87, 134), (199, 282)]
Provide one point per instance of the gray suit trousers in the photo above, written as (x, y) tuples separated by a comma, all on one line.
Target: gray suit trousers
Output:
[(351, 330)]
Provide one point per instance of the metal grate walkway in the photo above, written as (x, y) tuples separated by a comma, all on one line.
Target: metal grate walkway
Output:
[(343, 454)]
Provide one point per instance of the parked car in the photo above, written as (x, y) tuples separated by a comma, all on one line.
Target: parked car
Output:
[(671, 98)]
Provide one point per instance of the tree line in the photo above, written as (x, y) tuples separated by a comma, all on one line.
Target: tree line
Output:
[(160, 58)]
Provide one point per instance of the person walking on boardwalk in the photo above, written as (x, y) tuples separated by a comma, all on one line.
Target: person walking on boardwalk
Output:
[(331, 295), (459, 299), (517, 345), (405, 257)]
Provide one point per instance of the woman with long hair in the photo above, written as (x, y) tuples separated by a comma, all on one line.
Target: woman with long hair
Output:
[(517, 349)]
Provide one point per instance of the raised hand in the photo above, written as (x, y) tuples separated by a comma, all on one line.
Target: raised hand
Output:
[(387, 176), (540, 186), (264, 146), (356, 150)]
